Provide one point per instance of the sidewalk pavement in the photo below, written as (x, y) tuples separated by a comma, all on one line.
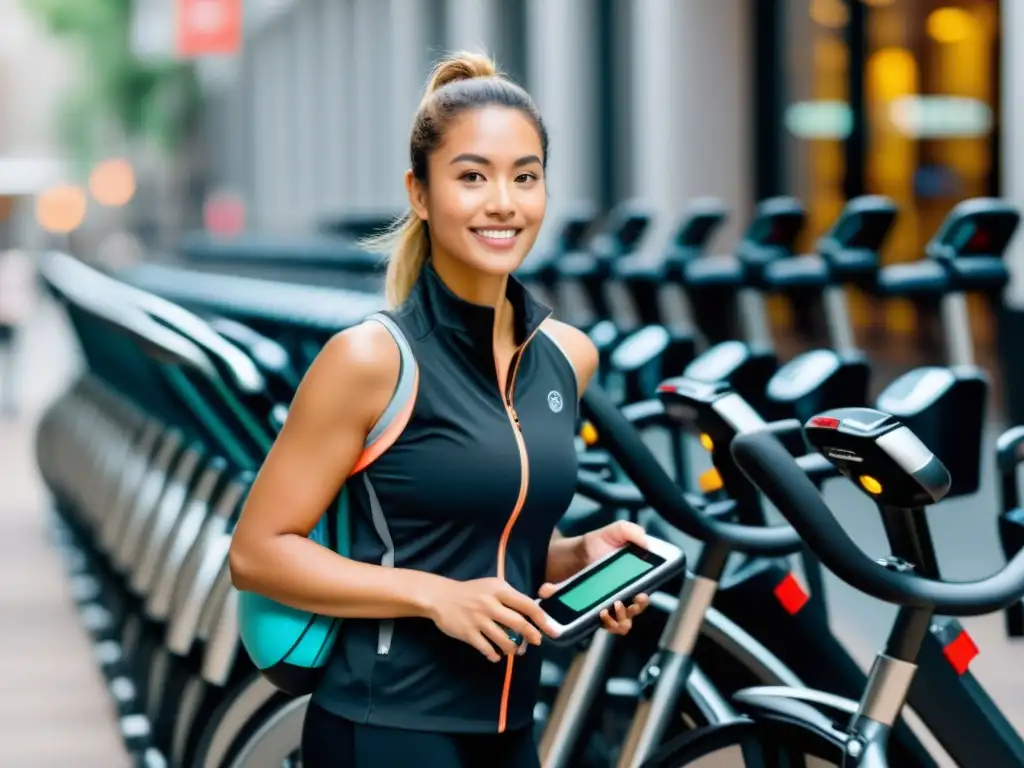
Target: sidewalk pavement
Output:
[(54, 709)]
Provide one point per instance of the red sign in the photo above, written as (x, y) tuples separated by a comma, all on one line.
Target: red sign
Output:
[(224, 215), (208, 27)]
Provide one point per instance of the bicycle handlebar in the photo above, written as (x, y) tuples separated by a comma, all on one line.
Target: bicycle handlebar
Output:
[(619, 495), (770, 467), (625, 445)]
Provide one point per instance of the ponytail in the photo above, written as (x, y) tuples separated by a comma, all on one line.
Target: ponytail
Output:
[(407, 246), (459, 82)]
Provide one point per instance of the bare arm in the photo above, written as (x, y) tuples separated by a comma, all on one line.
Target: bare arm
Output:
[(342, 395)]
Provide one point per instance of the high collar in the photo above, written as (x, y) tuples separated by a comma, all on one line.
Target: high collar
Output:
[(476, 320)]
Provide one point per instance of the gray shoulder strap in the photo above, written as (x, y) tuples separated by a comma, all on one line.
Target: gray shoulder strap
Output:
[(405, 391)]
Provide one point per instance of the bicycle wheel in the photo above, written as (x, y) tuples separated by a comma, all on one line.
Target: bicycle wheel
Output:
[(797, 739), (274, 740)]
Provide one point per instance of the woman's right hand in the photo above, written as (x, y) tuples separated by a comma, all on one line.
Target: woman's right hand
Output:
[(477, 612)]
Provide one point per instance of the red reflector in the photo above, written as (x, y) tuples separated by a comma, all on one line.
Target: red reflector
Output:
[(666, 388), (791, 595), (825, 421), (961, 652)]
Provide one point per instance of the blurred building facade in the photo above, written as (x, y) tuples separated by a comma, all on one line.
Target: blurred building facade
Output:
[(666, 99), (663, 99), (314, 116), (34, 70)]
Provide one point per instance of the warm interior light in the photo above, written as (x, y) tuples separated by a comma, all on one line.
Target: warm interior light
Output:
[(589, 433), (112, 182), (706, 442), (829, 13), (949, 25), (61, 209)]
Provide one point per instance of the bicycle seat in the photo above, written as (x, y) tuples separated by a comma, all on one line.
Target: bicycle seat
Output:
[(982, 274), (624, 228), (643, 266), (851, 246), (712, 271), (698, 224), (580, 264), (916, 280), (810, 271), (772, 233), (288, 249), (931, 278)]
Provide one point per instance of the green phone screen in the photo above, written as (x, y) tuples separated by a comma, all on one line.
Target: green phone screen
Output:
[(605, 581)]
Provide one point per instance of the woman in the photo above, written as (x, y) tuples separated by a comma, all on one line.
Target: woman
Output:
[(469, 386)]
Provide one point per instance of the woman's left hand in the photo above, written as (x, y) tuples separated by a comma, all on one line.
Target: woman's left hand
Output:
[(596, 545)]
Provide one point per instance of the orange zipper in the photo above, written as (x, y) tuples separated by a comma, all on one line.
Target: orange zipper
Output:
[(524, 485)]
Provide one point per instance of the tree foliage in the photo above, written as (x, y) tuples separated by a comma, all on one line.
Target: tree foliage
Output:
[(144, 100)]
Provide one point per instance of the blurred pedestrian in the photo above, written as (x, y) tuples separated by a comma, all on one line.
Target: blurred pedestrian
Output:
[(17, 299)]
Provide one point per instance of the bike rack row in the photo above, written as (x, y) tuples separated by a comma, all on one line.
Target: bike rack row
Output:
[(148, 457)]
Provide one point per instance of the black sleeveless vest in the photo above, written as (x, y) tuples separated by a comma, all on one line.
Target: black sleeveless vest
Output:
[(472, 488)]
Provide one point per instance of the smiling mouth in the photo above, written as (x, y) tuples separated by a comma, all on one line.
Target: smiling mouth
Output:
[(497, 234), (497, 238)]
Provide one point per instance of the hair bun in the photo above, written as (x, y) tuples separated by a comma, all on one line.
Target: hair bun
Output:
[(460, 66)]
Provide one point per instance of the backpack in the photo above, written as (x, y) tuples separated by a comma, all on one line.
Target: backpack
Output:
[(291, 647)]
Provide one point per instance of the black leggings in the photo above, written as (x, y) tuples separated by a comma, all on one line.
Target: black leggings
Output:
[(329, 741)]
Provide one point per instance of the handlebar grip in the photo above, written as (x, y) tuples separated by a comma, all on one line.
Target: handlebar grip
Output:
[(1009, 455), (625, 445), (645, 413), (817, 467), (609, 494), (790, 433), (770, 467), (595, 461)]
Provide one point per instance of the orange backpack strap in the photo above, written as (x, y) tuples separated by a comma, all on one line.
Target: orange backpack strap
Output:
[(396, 416)]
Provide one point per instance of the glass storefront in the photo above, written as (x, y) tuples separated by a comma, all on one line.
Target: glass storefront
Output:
[(892, 97)]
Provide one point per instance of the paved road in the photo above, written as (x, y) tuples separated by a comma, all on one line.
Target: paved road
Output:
[(54, 711), (56, 714)]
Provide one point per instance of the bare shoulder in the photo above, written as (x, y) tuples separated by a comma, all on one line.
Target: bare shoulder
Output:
[(366, 351), (577, 346), (357, 368)]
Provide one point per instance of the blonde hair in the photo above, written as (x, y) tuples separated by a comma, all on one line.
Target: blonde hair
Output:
[(459, 82)]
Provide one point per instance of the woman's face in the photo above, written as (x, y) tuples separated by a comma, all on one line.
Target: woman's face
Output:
[(486, 196)]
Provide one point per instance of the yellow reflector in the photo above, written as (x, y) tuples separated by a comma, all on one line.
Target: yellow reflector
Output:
[(706, 442), (588, 433), (870, 485), (710, 481)]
